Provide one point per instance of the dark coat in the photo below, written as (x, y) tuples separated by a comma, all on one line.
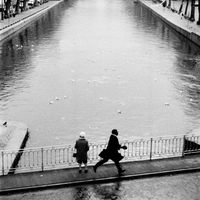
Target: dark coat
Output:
[(82, 148), (113, 148)]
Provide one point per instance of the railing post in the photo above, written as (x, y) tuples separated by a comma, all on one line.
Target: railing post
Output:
[(2, 154), (42, 161), (151, 148), (183, 154)]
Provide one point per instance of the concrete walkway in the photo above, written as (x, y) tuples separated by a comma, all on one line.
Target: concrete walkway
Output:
[(13, 24), (108, 172), (13, 137), (182, 25)]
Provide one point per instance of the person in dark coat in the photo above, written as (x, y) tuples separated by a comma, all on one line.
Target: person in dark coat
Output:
[(112, 152), (82, 147)]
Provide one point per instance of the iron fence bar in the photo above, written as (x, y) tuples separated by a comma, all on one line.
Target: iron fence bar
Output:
[(183, 154), (151, 148), (42, 160), (2, 153)]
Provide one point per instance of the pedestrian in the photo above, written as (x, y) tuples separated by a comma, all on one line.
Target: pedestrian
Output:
[(82, 147), (112, 153)]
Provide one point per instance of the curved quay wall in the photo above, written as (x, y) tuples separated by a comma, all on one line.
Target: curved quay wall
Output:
[(189, 34), (11, 28)]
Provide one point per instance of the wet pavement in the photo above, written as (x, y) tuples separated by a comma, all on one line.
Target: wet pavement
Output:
[(106, 173)]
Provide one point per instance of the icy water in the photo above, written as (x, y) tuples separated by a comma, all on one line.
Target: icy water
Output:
[(95, 65)]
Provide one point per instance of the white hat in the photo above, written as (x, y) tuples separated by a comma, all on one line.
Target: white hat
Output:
[(82, 135)]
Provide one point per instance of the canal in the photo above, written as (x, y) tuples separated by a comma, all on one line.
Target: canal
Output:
[(95, 65)]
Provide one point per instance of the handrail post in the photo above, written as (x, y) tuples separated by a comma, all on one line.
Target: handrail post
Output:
[(151, 148), (2, 154), (42, 161), (183, 146)]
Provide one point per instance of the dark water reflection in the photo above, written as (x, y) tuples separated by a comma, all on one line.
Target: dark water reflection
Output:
[(81, 193), (105, 56)]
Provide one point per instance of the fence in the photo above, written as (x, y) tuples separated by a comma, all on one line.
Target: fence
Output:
[(46, 158)]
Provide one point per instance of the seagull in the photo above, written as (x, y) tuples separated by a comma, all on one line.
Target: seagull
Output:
[(51, 102), (5, 124), (56, 98), (119, 112)]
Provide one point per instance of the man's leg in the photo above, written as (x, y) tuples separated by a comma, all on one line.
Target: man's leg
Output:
[(120, 170), (101, 162)]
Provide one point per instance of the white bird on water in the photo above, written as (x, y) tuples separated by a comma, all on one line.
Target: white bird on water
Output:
[(119, 112)]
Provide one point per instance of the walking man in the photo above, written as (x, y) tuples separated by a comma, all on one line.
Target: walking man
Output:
[(112, 153)]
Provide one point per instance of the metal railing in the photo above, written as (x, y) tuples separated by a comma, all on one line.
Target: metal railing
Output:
[(46, 158)]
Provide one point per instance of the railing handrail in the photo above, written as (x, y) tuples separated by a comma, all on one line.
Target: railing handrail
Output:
[(49, 157), (90, 143)]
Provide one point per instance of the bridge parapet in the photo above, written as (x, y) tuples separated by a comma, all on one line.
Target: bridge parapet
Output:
[(55, 157)]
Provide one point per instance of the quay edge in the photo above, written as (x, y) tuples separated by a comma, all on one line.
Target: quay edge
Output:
[(16, 23), (190, 33), (18, 134), (19, 153)]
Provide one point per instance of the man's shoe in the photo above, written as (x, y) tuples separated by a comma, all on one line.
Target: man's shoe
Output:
[(95, 169), (121, 171)]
